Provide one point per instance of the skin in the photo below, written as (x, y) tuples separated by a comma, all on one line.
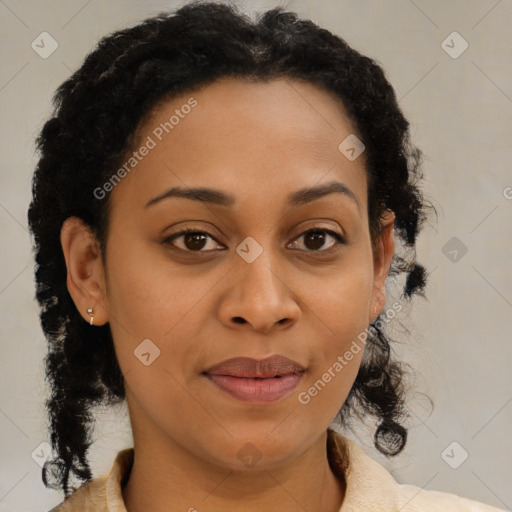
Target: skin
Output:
[(259, 142)]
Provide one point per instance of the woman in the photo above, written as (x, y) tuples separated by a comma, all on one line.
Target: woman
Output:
[(214, 217)]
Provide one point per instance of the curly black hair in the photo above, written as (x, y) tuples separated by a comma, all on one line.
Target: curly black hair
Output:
[(94, 123)]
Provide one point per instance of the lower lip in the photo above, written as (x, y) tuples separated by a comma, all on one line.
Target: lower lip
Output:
[(257, 390)]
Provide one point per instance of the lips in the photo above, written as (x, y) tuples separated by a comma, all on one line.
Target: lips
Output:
[(256, 381), (248, 368)]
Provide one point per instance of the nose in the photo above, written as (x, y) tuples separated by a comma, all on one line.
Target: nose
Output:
[(260, 297)]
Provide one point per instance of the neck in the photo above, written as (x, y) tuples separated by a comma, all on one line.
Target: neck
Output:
[(174, 480)]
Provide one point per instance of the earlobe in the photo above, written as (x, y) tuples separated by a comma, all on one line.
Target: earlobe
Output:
[(85, 274)]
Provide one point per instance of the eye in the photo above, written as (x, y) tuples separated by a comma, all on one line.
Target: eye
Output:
[(193, 240), (316, 237)]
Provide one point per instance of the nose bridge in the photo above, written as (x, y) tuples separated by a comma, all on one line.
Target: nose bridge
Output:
[(263, 297), (259, 268)]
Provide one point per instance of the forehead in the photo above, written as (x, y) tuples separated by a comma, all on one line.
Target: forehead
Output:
[(262, 139)]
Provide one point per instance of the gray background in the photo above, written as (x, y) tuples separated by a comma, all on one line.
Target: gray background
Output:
[(460, 346)]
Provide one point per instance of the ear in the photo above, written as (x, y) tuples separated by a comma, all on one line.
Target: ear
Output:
[(382, 256), (85, 273)]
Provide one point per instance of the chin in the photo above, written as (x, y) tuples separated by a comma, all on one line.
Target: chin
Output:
[(258, 450)]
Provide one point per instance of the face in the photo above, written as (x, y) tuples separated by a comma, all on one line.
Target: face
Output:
[(265, 271)]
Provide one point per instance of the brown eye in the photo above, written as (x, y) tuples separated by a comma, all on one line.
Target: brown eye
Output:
[(316, 238), (191, 240), (195, 241)]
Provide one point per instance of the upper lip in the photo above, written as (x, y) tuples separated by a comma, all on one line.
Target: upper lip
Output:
[(248, 367)]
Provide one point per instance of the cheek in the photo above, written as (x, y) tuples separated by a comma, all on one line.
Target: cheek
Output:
[(157, 301), (337, 358), (147, 295), (340, 316), (342, 299)]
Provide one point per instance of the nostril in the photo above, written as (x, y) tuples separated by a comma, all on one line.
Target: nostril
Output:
[(239, 320)]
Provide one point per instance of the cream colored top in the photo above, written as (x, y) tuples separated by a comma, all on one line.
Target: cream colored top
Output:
[(369, 486)]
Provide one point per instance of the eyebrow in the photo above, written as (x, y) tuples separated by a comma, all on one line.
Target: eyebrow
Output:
[(217, 197)]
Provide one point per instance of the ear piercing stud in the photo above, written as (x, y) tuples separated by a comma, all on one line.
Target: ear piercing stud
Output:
[(90, 312)]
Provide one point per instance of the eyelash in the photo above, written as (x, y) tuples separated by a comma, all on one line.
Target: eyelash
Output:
[(340, 240)]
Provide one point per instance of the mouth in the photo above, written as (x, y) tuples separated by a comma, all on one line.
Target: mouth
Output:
[(249, 368), (255, 389), (256, 381)]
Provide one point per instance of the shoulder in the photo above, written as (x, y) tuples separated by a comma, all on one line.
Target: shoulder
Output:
[(102, 494), (371, 487), (89, 497), (412, 498)]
